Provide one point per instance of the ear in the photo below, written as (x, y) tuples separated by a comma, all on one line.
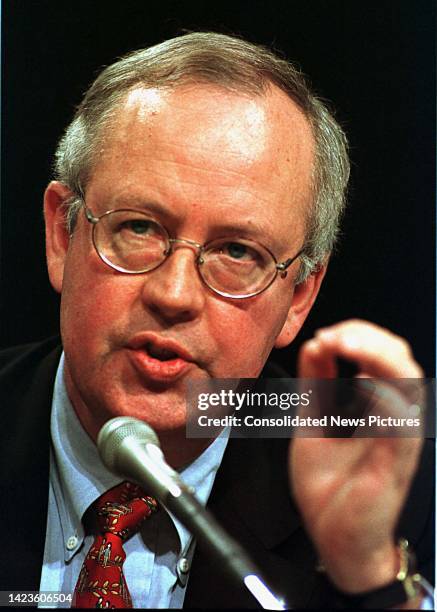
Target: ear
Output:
[(57, 238), (303, 298)]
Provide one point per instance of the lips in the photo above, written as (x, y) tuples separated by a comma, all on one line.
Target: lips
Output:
[(159, 359)]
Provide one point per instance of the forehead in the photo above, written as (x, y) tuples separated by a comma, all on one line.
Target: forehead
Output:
[(211, 145)]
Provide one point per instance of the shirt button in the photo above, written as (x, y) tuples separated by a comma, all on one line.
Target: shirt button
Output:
[(71, 542), (183, 565)]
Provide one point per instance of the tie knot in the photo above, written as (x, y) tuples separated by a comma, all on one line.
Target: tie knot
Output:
[(122, 509)]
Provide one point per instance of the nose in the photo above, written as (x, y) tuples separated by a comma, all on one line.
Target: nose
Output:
[(175, 291)]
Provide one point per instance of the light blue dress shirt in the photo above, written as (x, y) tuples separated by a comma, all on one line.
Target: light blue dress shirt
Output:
[(157, 558)]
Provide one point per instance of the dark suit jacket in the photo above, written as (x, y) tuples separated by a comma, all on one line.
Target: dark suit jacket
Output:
[(250, 498)]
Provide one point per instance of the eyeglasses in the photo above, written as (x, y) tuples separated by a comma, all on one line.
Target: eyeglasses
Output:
[(132, 242)]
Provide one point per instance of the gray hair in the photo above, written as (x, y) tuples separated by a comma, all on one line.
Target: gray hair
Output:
[(232, 63)]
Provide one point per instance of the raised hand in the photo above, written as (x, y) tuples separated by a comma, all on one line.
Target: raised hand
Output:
[(351, 490)]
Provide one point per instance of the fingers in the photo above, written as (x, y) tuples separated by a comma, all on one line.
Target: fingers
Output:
[(316, 362), (377, 352)]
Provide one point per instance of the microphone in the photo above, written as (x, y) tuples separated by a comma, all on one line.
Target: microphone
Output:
[(130, 448)]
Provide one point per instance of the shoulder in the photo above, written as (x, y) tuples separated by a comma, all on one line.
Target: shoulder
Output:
[(16, 361), (27, 374)]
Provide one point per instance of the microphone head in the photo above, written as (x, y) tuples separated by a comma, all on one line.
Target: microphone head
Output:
[(115, 431)]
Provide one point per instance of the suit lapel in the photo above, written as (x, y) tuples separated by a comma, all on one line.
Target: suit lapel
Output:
[(250, 499)]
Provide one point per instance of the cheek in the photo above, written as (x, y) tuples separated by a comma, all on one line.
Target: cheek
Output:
[(245, 336), (93, 304)]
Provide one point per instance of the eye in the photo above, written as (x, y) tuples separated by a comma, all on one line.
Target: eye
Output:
[(239, 251), (139, 226), (132, 228)]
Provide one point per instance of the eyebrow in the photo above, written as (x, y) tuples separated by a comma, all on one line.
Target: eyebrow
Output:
[(142, 204)]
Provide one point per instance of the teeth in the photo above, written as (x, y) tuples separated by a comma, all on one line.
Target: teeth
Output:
[(159, 353)]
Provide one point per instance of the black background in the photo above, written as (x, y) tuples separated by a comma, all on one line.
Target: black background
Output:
[(374, 60)]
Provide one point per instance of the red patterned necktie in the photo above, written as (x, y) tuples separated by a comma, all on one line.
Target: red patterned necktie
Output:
[(119, 514)]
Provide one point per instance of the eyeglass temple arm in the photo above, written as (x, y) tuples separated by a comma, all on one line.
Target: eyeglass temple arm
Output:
[(282, 267), (88, 214)]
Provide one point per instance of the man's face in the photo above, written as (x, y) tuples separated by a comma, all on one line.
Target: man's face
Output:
[(206, 163)]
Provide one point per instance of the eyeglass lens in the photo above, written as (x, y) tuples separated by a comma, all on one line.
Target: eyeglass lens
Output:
[(131, 242)]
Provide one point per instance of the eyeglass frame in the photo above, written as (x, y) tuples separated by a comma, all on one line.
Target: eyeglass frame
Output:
[(280, 267)]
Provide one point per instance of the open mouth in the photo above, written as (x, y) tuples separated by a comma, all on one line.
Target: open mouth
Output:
[(162, 354), (158, 363), (159, 359)]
